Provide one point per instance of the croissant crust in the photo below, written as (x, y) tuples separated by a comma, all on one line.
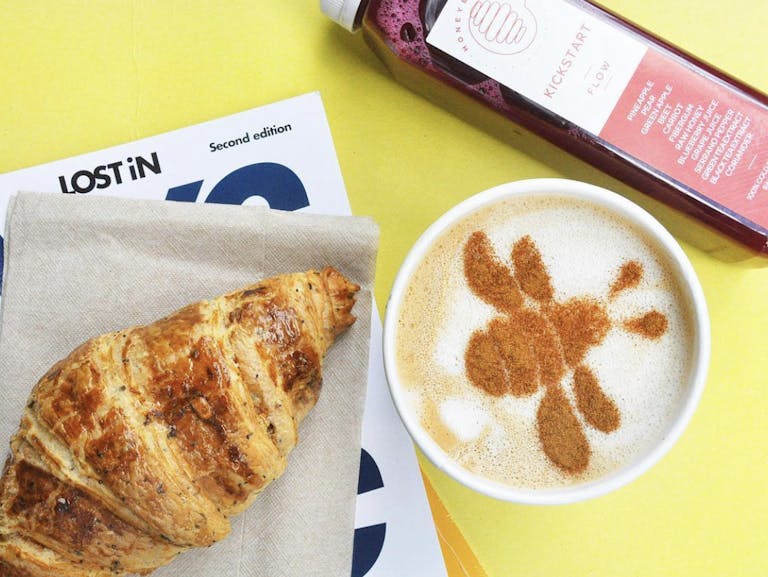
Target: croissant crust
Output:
[(142, 443)]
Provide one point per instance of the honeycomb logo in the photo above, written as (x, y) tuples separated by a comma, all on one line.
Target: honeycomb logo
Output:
[(507, 27)]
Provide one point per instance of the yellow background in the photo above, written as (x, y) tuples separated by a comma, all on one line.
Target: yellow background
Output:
[(77, 76)]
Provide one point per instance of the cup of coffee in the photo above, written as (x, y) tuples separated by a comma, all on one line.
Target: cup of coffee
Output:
[(546, 341)]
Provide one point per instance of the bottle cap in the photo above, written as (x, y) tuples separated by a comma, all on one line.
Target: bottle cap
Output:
[(341, 11)]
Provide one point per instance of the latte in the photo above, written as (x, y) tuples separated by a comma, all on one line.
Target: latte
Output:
[(543, 342)]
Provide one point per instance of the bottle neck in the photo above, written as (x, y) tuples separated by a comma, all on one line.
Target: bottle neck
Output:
[(358, 22)]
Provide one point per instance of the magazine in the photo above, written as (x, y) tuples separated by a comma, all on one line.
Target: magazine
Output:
[(282, 156)]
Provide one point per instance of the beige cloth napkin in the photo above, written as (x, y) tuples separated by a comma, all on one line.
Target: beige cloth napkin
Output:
[(77, 267)]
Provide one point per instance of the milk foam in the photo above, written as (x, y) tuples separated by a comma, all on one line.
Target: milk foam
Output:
[(583, 249), (465, 418)]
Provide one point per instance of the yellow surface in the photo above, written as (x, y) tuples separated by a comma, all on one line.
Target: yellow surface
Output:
[(78, 75)]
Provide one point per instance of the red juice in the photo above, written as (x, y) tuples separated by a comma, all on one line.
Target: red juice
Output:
[(601, 88)]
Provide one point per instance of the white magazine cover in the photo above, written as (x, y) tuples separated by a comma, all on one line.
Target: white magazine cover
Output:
[(282, 156)]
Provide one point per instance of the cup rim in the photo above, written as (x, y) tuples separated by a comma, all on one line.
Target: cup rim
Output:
[(689, 282)]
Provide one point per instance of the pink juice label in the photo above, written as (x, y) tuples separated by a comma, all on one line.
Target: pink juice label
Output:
[(696, 131), (686, 125)]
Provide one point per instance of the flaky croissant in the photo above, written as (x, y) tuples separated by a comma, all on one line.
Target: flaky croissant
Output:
[(142, 443)]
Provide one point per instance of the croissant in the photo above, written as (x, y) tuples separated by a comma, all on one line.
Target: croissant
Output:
[(142, 443)]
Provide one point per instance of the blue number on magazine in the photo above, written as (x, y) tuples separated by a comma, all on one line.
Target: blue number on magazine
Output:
[(283, 190), (275, 183), (369, 541)]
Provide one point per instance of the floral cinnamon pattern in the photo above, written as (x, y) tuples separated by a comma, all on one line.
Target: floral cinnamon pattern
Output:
[(536, 341)]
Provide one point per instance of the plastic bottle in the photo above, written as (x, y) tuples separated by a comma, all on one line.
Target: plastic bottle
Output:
[(609, 92)]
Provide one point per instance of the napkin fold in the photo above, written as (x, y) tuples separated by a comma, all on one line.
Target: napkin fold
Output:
[(76, 267)]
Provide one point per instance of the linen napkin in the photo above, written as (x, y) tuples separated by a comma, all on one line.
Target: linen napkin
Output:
[(77, 267)]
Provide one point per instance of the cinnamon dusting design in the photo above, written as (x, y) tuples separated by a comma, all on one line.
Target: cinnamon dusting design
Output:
[(536, 341)]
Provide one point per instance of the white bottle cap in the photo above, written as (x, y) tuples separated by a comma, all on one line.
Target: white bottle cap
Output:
[(341, 11)]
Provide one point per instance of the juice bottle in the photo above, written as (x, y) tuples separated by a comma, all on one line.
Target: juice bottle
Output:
[(578, 75)]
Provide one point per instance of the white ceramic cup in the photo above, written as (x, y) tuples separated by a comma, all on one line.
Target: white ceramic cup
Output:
[(688, 281)]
